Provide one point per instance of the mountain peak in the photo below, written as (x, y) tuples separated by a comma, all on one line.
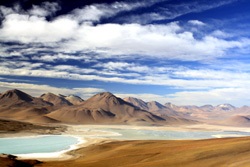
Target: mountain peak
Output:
[(105, 94), (226, 107), (74, 99), (48, 94), (55, 99), (104, 100), (170, 105), (154, 105), (15, 95), (136, 102)]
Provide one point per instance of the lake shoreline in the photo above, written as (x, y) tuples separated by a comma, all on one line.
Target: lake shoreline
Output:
[(89, 135)]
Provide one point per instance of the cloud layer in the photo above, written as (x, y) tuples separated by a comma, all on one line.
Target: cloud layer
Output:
[(132, 43), (76, 32)]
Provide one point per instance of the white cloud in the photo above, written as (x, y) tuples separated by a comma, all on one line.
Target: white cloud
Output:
[(130, 73), (196, 22), (45, 9), (29, 29), (4, 11), (170, 11), (220, 34), (95, 12), (162, 41), (59, 56), (67, 34)]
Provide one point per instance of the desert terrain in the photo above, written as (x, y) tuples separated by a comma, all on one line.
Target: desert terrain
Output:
[(24, 115)]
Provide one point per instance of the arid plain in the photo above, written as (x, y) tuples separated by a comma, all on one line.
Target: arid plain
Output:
[(24, 115)]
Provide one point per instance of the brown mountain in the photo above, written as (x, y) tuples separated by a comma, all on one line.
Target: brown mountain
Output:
[(105, 108), (149, 106), (73, 99), (14, 97), (153, 107), (18, 98), (137, 102), (17, 105), (56, 100), (238, 120)]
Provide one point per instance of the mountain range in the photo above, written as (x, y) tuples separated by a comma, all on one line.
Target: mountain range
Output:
[(106, 108), (225, 114)]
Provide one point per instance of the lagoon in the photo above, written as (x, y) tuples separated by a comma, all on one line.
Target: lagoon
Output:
[(142, 134), (37, 144), (54, 146)]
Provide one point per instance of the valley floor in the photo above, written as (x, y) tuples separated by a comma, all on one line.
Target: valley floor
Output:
[(99, 151)]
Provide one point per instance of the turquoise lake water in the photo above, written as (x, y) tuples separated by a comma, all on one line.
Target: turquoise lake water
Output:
[(135, 134), (57, 143), (40, 144)]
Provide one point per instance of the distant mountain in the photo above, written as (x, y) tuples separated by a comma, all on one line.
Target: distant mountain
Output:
[(137, 102), (170, 105), (238, 120), (207, 108), (166, 112), (56, 100), (155, 106), (244, 110), (225, 107), (73, 99), (105, 108), (149, 106), (206, 112)]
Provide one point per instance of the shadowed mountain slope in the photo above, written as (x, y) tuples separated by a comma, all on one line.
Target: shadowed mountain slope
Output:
[(17, 105), (73, 99), (105, 108), (238, 120), (55, 99)]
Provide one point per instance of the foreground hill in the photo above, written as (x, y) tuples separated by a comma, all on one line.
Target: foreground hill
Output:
[(182, 153), (10, 126)]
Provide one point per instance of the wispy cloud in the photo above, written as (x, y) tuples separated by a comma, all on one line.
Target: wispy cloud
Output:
[(45, 9), (171, 11), (96, 12), (130, 73)]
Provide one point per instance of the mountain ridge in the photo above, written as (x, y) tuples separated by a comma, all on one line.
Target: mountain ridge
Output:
[(105, 108)]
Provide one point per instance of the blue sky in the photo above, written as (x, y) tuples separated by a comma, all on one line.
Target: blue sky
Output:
[(188, 52)]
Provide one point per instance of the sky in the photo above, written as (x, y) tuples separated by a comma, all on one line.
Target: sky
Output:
[(187, 52)]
